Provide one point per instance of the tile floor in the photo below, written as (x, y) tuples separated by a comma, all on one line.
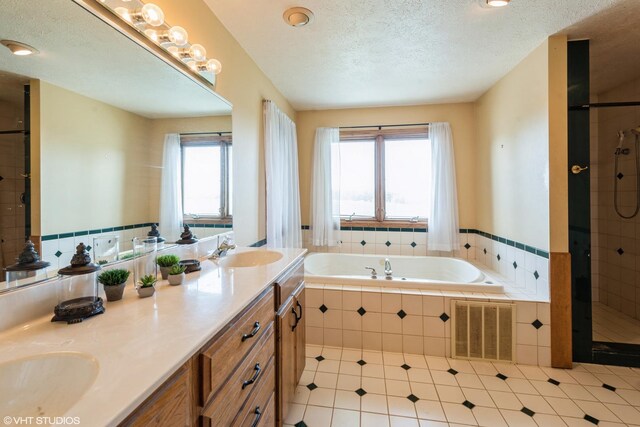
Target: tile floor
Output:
[(347, 387), (613, 326)]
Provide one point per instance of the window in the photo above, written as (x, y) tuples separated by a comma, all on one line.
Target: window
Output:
[(206, 176), (384, 175)]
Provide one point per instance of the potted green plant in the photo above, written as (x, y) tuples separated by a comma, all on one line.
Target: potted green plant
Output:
[(114, 282), (176, 274), (146, 286), (165, 262)]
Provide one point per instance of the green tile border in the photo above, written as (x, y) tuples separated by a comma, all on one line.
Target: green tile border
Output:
[(94, 231), (503, 240)]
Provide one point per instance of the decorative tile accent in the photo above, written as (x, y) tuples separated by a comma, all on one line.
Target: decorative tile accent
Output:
[(312, 386), (320, 358), (620, 175), (413, 398), (485, 251), (444, 317), (502, 376), (527, 411), (536, 275), (468, 404), (57, 254), (361, 311), (300, 424), (363, 243), (515, 264), (405, 367), (591, 419), (88, 248), (498, 256), (452, 371), (323, 308), (609, 387), (537, 324), (401, 314), (620, 251), (554, 382), (361, 362), (360, 392), (414, 244), (467, 246), (388, 243)]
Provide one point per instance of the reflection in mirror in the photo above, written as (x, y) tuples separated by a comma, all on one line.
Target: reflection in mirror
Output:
[(83, 141)]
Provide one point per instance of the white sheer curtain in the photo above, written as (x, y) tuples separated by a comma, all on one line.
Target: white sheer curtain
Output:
[(443, 220), (325, 188), (171, 189), (281, 166)]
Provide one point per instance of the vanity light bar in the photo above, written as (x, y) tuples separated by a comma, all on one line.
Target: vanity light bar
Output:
[(148, 19)]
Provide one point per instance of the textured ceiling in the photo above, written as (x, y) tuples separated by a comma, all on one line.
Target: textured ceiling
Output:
[(614, 45), (83, 54), (394, 52)]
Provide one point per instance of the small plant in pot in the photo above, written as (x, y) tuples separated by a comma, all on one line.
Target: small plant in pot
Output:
[(176, 274), (146, 286), (166, 262), (114, 282)]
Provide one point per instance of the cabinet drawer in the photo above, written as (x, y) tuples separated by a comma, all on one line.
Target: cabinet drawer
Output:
[(261, 404), (226, 402), (220, 358), (286, 284)]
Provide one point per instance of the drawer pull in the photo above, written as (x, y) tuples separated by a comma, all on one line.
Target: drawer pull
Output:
[(293, 310), (258, 413), (254, 378), (256, 328)]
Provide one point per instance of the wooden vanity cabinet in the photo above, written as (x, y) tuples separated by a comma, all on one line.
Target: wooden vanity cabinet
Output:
[(290, 327)]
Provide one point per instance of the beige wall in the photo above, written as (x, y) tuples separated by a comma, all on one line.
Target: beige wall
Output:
[(245, 86), (159, 128), (94, 169), (461, 117), (513, 153)]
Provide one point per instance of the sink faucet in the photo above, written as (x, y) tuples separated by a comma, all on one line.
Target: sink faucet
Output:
[(374, 274), (222, 249), (387, 269)]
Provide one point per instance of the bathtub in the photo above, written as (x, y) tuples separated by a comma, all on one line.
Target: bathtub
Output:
[(415, 272)]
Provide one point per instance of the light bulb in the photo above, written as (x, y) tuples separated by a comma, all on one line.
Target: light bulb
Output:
[(175, 51), (198, 52), (498, 3), (214, 66), (152, 14), (152, 34), (193, 65), (124, 14), (178, 36)]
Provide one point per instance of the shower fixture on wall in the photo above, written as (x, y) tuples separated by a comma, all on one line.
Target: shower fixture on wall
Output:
[(620, 150)]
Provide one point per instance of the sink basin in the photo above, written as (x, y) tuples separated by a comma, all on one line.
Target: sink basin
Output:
[(46, 385), (250, 259)]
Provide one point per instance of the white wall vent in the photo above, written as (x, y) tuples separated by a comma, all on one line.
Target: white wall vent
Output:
[(483, 330)]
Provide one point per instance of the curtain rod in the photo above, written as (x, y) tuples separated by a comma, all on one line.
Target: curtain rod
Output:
[(10, 132), (206, 133), (385, 126)]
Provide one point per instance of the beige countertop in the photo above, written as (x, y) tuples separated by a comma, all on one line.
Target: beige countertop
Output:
[(139, 342)]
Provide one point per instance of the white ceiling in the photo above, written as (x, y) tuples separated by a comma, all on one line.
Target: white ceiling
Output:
[(83, 54), (394, 52)]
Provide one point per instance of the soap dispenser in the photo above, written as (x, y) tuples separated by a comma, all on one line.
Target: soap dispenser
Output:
[(78, 291)]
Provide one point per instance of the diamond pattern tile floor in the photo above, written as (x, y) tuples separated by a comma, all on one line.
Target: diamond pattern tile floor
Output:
[(394, 389)]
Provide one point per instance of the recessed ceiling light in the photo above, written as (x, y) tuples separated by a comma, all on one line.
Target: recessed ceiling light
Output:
[(18, 48), (498, 3), (298, 16)]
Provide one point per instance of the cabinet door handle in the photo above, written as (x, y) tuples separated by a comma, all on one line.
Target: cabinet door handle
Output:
[(258, 413), (295, 315), (256, 328), (300, 306), (254, 378)]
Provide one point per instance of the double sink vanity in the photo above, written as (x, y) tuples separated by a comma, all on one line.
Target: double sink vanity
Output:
[(225, 348)]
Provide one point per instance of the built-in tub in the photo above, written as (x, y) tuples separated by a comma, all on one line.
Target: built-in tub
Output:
[(415, 272)]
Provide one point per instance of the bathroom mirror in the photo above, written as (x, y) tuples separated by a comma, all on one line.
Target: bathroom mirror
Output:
[(82, 132)]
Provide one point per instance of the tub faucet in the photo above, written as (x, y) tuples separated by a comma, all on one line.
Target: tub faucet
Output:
[(387, 269), (374, 274), (222, 249)]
